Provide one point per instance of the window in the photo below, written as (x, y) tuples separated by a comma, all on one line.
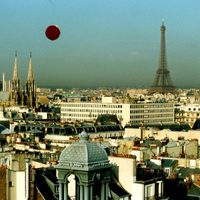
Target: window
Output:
[(56, 188), (10, 184), (149, 193), (156, 189)]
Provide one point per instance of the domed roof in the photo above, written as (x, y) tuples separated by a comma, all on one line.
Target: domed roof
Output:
[(84, 155)]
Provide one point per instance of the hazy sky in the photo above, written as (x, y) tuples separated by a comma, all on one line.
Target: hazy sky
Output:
[(102, 42)]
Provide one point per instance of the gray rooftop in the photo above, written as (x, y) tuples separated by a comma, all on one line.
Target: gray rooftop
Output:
[(83, 155), (169, 163), (4, 96)]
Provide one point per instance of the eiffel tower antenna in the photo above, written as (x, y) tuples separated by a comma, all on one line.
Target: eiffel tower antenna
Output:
[(162, 81)]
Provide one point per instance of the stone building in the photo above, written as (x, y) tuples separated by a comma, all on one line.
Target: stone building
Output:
[(18, 95), (90, 166)]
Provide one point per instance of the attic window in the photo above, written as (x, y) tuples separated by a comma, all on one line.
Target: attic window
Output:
[(10, 184)]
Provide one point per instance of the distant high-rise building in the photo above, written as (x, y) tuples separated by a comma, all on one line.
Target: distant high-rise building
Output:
[(162, 82)]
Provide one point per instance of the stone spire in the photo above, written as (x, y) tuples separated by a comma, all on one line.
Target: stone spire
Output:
[(30, 69), (3, 82), (30, 86), (15, 85), (15, 71)]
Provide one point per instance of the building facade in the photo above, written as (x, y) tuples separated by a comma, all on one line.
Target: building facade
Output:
[(146, 113), (90, 165), (187, 113)]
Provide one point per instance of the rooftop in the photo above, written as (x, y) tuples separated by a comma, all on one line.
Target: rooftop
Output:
[(83, 155)]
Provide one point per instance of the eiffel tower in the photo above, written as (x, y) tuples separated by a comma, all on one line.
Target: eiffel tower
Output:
[(162, 82)]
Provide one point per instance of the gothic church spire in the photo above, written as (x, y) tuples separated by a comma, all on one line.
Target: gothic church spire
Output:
[(30, 69), (15, 71)]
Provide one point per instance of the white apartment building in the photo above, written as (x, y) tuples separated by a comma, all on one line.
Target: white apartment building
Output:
[(125, 170), (190, 108), (146, 113), (188, 113)]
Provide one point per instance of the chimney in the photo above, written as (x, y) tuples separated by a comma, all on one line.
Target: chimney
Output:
[(27, 160), (134, 168), (158, 150)]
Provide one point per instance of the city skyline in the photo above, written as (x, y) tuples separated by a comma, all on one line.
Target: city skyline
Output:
[(107, 43)]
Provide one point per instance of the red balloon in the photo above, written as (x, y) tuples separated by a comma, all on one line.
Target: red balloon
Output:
[(52, 32)]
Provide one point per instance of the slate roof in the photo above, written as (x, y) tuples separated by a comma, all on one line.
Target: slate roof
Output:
[(83, 153), (151, 165), (194, 191), (4, 130), (187, 172), (116, 188), (149, 142), (119, 191), (42, 186), (169, 163)]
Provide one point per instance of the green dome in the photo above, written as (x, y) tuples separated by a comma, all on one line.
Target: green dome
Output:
[(83, 155)]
